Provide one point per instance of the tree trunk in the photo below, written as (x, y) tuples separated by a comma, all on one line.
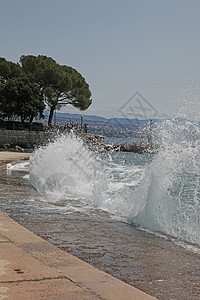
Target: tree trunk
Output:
[(51, 115), (22, 119)]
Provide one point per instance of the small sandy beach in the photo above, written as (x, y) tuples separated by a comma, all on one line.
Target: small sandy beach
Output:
[(11, 157), (6, 157)]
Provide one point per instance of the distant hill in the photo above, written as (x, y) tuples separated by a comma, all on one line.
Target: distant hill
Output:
[(92, 118), (76, 116)]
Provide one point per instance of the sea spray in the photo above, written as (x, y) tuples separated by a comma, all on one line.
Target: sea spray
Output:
[(159, 192), (164, 195), (66, 168), (119, 177), (63, 168), (168, 199)]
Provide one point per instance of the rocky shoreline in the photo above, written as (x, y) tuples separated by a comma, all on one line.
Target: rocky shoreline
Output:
[(97, 143), (21, 141)]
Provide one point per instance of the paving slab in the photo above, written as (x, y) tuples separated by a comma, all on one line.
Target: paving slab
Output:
[(21, 266), (3, 239), (54, 289), (39, 262)]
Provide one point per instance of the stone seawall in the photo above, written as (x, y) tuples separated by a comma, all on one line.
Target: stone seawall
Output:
[(24, 139), (31, 139)]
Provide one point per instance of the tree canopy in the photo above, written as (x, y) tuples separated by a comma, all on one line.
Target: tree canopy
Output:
[(9, 70), (60, 85), (54, 85), (21, 98)]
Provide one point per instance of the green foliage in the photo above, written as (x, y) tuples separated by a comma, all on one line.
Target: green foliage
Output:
[(40, 79), (9, 70), (79, 94), (21, 97), (60, 85)]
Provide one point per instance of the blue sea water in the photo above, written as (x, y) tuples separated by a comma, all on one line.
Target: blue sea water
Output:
[(117, 140)]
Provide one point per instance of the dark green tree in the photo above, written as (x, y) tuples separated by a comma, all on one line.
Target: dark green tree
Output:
[(9, 70), (60, 85), (21, 97)]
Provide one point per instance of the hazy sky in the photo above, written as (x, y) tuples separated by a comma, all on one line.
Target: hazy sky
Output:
[(119, 46)]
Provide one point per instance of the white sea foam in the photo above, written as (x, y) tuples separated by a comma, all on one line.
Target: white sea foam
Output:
[(160, 194), (168, 198), (23, 166), (64, 168)]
